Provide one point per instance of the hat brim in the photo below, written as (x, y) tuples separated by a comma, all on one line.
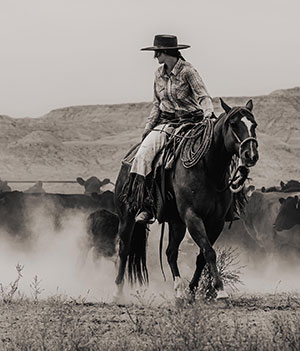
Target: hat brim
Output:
[(154, 48)]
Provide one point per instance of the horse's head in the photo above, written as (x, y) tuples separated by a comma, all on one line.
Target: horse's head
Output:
[(239, 132)]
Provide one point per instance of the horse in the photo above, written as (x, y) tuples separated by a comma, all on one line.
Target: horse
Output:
[(201, 200)]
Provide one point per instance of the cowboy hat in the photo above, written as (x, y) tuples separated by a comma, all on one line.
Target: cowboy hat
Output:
[(165, 42)]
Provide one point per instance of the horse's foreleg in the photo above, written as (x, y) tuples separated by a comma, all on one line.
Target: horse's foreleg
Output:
[(207, 254), (200, 264), (176, 234), (125, 234)]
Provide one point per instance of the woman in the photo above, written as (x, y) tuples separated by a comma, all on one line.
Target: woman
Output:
[(179, 93)]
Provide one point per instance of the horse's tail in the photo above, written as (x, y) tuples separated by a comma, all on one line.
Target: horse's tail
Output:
[(137, 264), (160, 249)]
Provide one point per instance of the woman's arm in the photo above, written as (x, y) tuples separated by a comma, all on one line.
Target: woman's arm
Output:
[(154, 114), (200, 92)]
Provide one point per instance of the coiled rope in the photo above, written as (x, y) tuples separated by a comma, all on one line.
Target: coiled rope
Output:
[(196, 142)]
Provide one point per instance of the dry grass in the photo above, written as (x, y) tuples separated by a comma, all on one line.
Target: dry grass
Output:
[(244, 322), (266, 323), (229, 268)]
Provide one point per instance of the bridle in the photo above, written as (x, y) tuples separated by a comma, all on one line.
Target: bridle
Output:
[(239, 175), (243, 142), (244, 111)]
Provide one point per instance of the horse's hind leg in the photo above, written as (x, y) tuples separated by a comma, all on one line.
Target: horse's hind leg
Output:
[(126, 227), (176, 234), (207, 254)]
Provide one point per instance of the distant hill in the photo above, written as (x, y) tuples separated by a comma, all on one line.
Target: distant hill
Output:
[(91, 140)]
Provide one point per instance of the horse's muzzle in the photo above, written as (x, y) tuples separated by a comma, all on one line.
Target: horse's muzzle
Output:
[(250, 161), (249, 155)]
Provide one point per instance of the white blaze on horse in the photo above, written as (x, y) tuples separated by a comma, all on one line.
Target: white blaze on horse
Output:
[(200, 200)]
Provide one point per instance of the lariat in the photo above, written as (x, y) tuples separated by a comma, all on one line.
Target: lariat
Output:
[(196, 142)]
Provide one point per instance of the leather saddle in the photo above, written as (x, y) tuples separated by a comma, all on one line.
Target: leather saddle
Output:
[(186, 139)]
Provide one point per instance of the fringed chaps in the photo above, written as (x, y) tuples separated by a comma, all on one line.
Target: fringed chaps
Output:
[(133, 192)]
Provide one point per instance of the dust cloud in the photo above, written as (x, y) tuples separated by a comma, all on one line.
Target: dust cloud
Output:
[(58, 258), (273, 273), (63, 265)]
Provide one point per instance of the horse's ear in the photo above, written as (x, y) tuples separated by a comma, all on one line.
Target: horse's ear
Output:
[(225, 106), (249, 105)]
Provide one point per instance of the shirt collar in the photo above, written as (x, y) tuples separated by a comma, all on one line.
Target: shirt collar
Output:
[(177, 67), (175, 70)]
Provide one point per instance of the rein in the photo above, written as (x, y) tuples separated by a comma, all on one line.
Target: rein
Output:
[(236, 179)]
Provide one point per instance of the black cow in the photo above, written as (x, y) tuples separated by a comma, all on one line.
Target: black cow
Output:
[(289, 214), (258, 218), (291, 186), (102, 229), (288, 187), (18, 209), (92, 184)]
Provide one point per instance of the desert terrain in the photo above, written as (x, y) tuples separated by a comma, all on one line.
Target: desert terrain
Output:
[(54, 302)]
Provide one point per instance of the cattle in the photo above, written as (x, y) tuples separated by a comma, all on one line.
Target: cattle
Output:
[(36, 188), (289, 214), (102, 229), (92, 184), (288, 187), (270, 189), (4, 187), (17, 209), (258, 218)]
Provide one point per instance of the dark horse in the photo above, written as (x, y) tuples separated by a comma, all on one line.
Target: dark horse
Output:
[(202, 199)]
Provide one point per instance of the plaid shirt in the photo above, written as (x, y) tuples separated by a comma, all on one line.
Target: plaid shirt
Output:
[(181, 93)]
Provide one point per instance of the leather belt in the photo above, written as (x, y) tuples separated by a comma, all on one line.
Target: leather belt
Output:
[(171, 116), (167, 115)]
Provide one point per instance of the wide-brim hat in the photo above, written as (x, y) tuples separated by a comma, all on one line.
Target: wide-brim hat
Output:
[(165, 42)]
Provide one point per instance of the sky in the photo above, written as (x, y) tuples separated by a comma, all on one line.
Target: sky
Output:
[(58, 53)]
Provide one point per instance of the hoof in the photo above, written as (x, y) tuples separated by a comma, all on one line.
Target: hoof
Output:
[(179, 288), (222, 295)]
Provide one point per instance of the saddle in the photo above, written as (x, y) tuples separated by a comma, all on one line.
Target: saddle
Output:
[(190, 141)]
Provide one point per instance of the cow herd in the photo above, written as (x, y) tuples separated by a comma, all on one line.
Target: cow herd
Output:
[(19, 210), (271, 216), (91, 185)]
